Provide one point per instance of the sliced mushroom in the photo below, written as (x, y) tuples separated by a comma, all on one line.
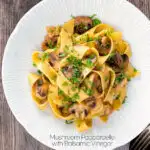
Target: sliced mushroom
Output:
[(41, 90), (118, 62), (125, 61), (103, 45), (97, 83), (94, 81), (82, 24), (68, 71), (54, 60), (90, 101), (79, 110), (63, 110), (51, 38)]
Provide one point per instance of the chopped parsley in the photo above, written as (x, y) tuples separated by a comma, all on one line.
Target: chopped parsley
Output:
[(124, 100), (108, 32), (60, 92), (77, 68), (92, 16), (89, 39), (39, 72), (72, 16), (89, 63), (67, 99), (73, 88), (128, 78), (75, 97), (69, 121), (61, 55), (111, 55), (92, 56), (120, 78), (88, 91), (84, 38), (34, 64), (135, 70), (51, 45), (116, 97), (75, 61), (96, 21), (45, 56)]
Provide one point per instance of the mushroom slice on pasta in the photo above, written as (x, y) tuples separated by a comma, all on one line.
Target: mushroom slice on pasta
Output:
[(39, 89)]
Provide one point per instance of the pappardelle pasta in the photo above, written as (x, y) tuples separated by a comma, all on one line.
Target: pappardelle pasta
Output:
[(83, 71)]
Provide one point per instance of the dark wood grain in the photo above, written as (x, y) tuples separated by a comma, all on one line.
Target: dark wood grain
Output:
[(12, 134)]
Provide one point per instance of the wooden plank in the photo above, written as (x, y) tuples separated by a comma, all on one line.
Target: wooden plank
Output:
[(12, 134)]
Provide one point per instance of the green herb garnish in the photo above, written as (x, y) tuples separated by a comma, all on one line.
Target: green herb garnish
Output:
[(120, 78), (61, 55), (39, 72), (88, 92), (92, 16), (34, 64), (45, 56), (124, 100), (74, 61), (60, 92), (96, 21), (69, 121), (73, 88), (111, 55), (135, 70), (51, 45), (89, 63), (89, 39), (72, 16), (75, 97), (92, 56), (128, 78), (77, 68)]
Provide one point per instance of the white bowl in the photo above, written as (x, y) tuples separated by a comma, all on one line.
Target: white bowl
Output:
[(123, 125)]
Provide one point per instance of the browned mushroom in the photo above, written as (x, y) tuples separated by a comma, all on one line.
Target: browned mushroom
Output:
[(82, 24), (79, 110), (51, 38), (63, 110), (41, 90), (93, 81), (118, 62), (68, 71), (97, 83), (103, 45), (90, 102)]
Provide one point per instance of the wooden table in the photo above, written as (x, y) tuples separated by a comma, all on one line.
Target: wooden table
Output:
[(12, 135)]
